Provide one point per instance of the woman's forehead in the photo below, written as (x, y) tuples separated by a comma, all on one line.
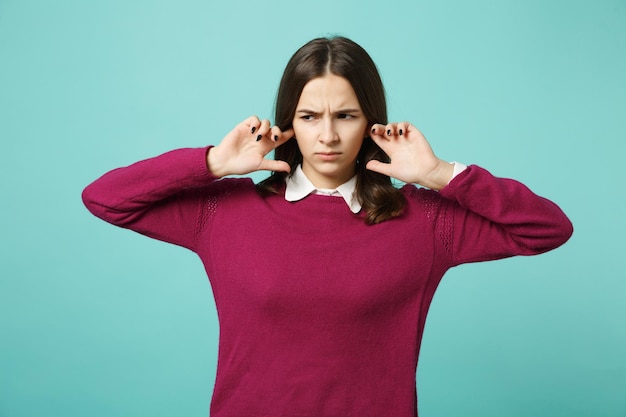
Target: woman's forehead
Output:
[(330, 91)]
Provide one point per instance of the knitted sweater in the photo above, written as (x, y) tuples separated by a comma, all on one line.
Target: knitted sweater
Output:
[(321, 314)]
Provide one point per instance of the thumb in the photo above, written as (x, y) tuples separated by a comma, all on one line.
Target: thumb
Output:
[(275, 165), (379, 167)]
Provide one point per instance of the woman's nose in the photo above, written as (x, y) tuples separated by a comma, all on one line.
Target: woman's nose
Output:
[(328, 132)]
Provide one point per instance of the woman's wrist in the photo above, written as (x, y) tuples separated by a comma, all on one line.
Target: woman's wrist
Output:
[(440, 176), (213, 163)]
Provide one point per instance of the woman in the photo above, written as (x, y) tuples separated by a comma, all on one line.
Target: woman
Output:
[(323, 273)]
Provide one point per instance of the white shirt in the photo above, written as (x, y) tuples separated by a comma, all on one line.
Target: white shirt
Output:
[(299, 186)]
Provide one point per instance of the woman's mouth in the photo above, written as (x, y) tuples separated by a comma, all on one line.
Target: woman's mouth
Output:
[(328, 156)]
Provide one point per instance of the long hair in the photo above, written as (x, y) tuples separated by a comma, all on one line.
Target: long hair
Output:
[(342, 57)]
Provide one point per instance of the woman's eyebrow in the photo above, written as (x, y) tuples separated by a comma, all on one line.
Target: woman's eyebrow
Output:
[(340, 111)]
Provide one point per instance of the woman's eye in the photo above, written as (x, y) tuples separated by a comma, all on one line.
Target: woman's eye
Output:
[(308, 117), (345, 116)]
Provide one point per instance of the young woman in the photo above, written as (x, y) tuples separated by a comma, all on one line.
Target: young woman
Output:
[(323, 273)]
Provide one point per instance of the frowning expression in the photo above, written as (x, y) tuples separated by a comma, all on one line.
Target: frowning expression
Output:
[(329, 127)]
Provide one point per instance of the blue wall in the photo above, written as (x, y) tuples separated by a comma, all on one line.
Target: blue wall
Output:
[(97, 321)]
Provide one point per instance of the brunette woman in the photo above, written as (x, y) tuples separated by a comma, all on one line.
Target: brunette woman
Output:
[(323, 273)]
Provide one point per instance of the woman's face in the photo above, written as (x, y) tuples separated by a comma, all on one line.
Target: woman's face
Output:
[(329, 128)]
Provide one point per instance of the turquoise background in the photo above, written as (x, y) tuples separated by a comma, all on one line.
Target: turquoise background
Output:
[(97, 321)]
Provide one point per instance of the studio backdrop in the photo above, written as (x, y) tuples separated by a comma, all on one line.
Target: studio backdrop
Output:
[(98, 321)]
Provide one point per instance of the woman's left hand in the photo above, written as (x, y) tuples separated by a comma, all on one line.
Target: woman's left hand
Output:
[(412, 158)]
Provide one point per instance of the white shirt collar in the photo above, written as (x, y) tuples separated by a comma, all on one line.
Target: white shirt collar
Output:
[(299, 186)]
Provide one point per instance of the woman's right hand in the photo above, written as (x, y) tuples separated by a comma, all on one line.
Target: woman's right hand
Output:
[(243, 150)]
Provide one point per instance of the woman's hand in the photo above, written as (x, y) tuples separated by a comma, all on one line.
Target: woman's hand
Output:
[(412, 159), (243, 150)]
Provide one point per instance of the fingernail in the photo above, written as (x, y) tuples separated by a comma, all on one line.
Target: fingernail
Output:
[(388, 132), (400, 132), (253, 129), (258, 138), (373, 130), (275, 138)]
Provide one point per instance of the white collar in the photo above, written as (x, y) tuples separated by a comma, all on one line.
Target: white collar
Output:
[(299, 186)]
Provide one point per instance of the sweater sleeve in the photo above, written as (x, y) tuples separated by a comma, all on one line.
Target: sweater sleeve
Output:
[(498, 217), (160, 197)]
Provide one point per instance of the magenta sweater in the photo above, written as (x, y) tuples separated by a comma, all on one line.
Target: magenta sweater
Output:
[(321, 314)]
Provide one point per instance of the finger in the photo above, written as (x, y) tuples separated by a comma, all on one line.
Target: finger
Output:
[(378, 130), (402, 127), (414, 132), (252, 123), (263, 130), (284, 136), (274, 133), (278, 136), (275, 165), (411, 128), (379, 167), (390, 130)]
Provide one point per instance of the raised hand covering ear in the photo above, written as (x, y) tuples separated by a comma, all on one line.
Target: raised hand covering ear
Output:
[(412, 158), (244, 148)]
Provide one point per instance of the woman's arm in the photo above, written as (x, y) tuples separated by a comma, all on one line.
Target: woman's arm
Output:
[(485, 217), (165, 197), (158, 197), (493, 217)]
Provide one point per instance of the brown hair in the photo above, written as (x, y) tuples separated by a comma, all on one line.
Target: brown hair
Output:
[(343, 57)]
